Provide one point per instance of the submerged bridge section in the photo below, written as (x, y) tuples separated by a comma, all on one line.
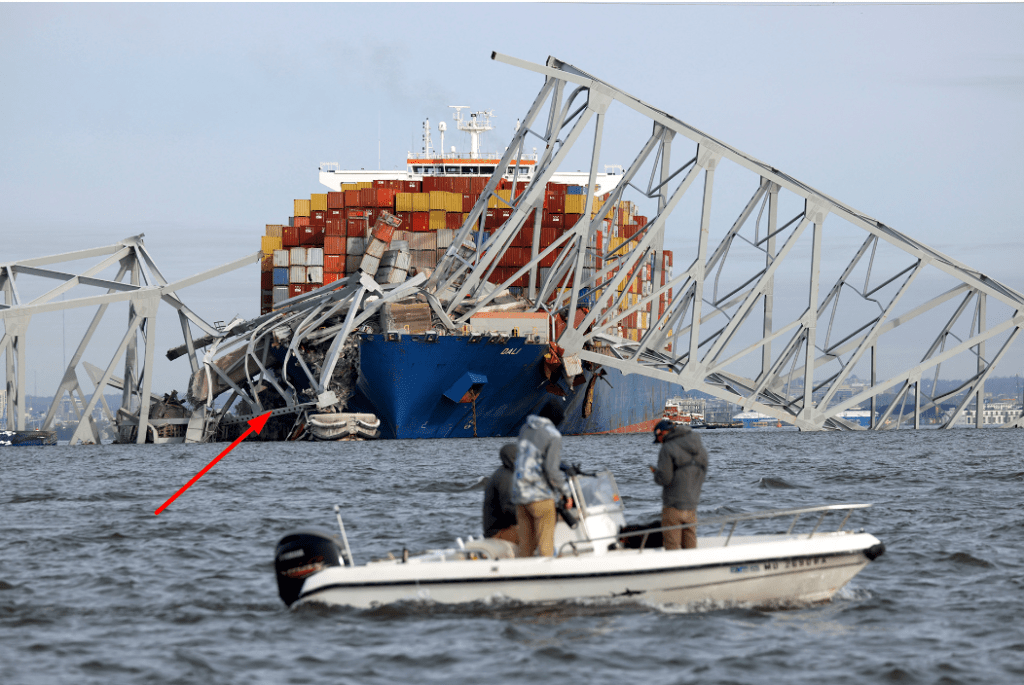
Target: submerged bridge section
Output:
[(788, 302)]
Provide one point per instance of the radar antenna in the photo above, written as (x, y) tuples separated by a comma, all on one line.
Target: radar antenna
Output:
[(479, 122)]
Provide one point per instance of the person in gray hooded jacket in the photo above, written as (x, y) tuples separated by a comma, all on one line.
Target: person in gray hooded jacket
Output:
[(538, 477), (682, 465), (499, 509)]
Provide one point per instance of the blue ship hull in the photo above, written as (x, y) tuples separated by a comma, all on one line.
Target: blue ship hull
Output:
[(426, 389)]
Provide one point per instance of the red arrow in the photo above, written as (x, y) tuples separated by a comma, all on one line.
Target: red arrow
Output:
[(254, 425)]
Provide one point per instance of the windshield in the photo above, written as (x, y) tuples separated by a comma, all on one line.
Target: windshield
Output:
[(599, 492)]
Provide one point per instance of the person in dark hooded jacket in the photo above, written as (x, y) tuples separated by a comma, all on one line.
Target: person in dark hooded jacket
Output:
[(499, 509), (682, 465)]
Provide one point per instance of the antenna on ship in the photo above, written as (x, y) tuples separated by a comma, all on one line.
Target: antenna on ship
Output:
[(442, 128), (427, 147), (479, 122)]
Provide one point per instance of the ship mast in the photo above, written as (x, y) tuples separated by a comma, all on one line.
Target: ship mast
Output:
[(479, 122)]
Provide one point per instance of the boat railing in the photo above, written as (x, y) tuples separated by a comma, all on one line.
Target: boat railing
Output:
[(732, 521)]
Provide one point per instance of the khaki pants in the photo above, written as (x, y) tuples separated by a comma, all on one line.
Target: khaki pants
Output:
[(510, 534), (536, 523), (675, 517)]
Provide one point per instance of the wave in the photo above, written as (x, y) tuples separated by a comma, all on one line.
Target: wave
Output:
[(769, 483)]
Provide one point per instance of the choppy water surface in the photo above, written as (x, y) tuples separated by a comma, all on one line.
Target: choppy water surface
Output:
[(96, 589)]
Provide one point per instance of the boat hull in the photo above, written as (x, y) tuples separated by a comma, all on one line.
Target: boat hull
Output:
[(418, 389), (779, 572)]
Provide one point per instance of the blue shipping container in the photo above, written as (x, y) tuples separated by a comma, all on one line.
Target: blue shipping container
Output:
[(280, 275), (575, 190)]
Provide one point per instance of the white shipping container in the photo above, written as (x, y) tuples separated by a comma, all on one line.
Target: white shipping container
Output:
[(296, 274), (399, 245), (369, 264), (397, 276), (376, 248), (403, 260), (281, 258), (315, 256), (315, 274), (444, 237), (298, 256), (423, 241), (280, 293), (355, 246)]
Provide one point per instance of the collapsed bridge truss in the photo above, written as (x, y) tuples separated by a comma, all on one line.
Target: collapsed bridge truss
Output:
[(785, 315)]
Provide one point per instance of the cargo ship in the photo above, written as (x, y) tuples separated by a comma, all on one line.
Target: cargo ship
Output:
[(419, 375)]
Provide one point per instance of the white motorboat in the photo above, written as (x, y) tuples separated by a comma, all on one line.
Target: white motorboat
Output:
[(595, 559)]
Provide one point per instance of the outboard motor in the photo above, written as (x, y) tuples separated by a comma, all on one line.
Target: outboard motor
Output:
[(300, 555)]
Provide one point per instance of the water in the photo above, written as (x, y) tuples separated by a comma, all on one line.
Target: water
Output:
[(96, 589)]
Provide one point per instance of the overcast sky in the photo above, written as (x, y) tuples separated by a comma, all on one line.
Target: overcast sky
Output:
[(197, 124)]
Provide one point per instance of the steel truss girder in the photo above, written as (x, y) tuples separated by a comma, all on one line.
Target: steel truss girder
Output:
[(702, 339), (143, 291)]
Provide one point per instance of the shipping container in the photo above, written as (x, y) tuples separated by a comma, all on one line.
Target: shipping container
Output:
[(296, 289), (355, 247), (296, 274), (267, 264), (444, 237), (334, 245), (300, 221), (315, 274), (270, 243), (266, 280), (290, 237), (274, 230), (301, 208), (311, 235), (335, 200), (335, 227), (420, 221), (317, 217), (334, 263), (352, 262), (318, 201), (280, 294), (297, 256), (315, 256), (332, 276), (369, 264), (352, 198)]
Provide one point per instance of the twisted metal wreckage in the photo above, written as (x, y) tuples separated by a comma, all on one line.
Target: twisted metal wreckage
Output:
[(733, 323)]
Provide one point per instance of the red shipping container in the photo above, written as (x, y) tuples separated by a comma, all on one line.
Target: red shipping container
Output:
[(547, 236), (332, 276), (335, 200), (351, 198), (290, 236), (335, 227), (267, 265), (301, 221), (468, 200), (453, 220), (386, 198), (420, 221), (310, 287), (311, 235), (357, 213), (405, 220), (383, 232), (367, 197), (552, 220), (554, 202), (410, 187), (571, 220), (295, 289), (317, 217), (334, 262), (334, 245), (266, 280), (356, 228), (477, 184)]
